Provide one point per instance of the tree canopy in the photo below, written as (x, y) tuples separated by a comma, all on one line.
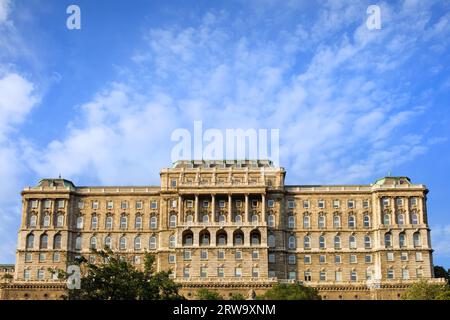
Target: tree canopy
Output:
[(205, 294), (427, 291), (283, 291)]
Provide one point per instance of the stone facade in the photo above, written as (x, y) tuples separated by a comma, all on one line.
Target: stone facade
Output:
[(235, 226)]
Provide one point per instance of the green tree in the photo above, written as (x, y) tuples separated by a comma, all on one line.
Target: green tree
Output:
[(440, 272), (237, 296), (205, 294), (117, 279), (427, 291), (283, 291)]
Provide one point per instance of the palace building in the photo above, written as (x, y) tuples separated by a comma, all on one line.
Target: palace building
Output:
[(232, 226)]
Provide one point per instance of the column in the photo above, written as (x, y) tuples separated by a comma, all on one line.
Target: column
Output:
[(229, 219), (213, 208), (196, 209), (407, 213), (246, 209), (180, 209), (263, 208)]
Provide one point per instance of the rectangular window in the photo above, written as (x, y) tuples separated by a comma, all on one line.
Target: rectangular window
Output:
[(34, 204), (204, 255), (338, 276), (255, 255), (292, 275), (203, 272), (28, 257), (60, 204), (189, 204), (385, 202), (404, 256), (186, 272), (172, 258), (366, 204), (238, 272), (110, 205), (153, 205), (205, 204), (351, 204), (368, 258), (47, 204), (272, 257), (336, 204), (173, 183), (323, 276), (271, 203), (173, 203), (419, 273), (139, 205), (292, 259), (307, 259), (322, 258), (321, 204), (26, 274), (399, 202), (308, 276), (390, 274), (124, 205), (390, 256), (221, 255), (41, 257), (272, 274), (220, 272), (238, 255), (353, 276), (337, 259), (221, 204), (305, 204), (255, 272), (95, 205), (41, 274), (414, 201), (419, 256), (187, 255), (353, 258), (405, 274)]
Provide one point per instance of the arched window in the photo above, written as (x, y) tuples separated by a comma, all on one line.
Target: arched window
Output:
[(30, 241), (336, 221), (271, 220), (221, 218), (57, 241), (79, 222), (401, 219), (307, 242), (93, 243), (173, 221), (291, 242), (221, 239), (388, 240), (387, 219), (271, 241), (205, 218), (255, 218), (238, 218), (255, 238), (78, 243), (123, 222), (204, 238), (189, 218), (33, 220), (109, 223), (337, 242), (238, 238), (414, 218), (138, 222), (351, 221), (94, 222), (43, 242), (137, 243), (366, 221), (352, 242), (291, 222), (153, 222), (402, 240), (322, 222), (152, 242), (47, 220), (188, 238), (108, 242), (367, 242), (172, 241), (416, 240), (123, 243), (322, 244), (306, 222)]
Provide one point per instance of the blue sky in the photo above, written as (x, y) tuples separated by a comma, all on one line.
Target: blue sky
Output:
[(98, 105)]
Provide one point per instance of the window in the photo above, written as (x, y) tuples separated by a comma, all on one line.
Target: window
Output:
[(353, 258), (205, 204), (405, 274), (238, 239), (138, 222), (308, 276), (123, 243), (272, 257), (419, 273), (203, 272), (139, 205), (238, 218), (323, 276), (254, 203), (221, 204), (390, 256), (368, 258), (172, 258), (34, 204), (367, 242), (399, 202), (322, 244), (255, 238), (78, 243), (387, 219), (94, 222), (42, 257), (322, 258), (351, 204), (306, 242), (337, 259), (321, 204), (205, 218), (414, 201), (366, 204), (255, 255), (419, 256), (56, 257), (57, 241), (41, 274), (80, 204), (79, 222), (33, 220), (271, 203), (238, 272), (414, 218), (238, 255), (152, 242), (351, 221), (44, 242), (337, 242), (93, 243), (404, 256), (416, 239), (402, 240), (388, 240), (221, 254), (173, 183), (221, 218), (108, 242), (47, 204), (188, 239), (26, 274), (306, 204), (338, 276), (352, 242), (337, 221), (292, 275), (366, 221), (153, 222), (400, 219), (109, 205), (204, 255), (186, 272), (307, 259), (291, 222), (271, 241), (173, 221), (292, 259), (137, 243), (172, 241), (109, 223), (47, 221), (255, 272), (123, 222), (291, 204), (189, 218), (306, 222), (187, 254), (254, 218), (390, 274), (220, 272), (94, 205), (204, 239), (322, 222), (30, 241), (336, 204), (271, 220), (385, 202), (28, 257), (153, 205), (291, 242), (368, 274), (353, 276), (238, 203)]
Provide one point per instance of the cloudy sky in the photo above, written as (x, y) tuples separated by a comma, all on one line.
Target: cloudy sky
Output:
[(98, 105)]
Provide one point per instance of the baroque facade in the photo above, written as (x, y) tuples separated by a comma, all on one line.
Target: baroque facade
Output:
[(233, 226)]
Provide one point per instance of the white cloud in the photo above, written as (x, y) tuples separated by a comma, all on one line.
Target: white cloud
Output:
[(4, 10)]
